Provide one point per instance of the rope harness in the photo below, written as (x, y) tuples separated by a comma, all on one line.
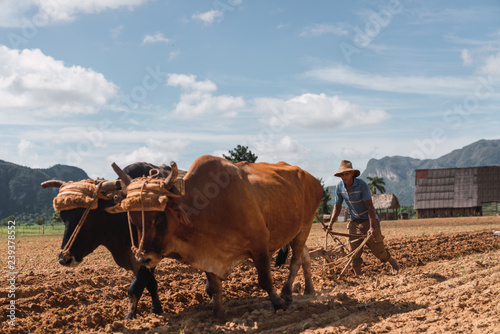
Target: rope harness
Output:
[(82, 194), (147, 193), (138, 251)]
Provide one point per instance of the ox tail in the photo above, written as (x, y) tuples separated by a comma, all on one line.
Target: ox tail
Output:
[(282, 255)]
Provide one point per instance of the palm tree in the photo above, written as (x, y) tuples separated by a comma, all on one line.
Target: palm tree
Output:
[(376, 183)]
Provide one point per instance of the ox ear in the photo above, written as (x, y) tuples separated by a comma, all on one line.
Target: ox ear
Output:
[(181, 214), (115, 209)]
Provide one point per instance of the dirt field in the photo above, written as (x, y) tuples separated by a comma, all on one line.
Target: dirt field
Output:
[(449, 283)]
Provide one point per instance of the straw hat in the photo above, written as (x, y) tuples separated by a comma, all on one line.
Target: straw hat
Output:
[(346, 166)]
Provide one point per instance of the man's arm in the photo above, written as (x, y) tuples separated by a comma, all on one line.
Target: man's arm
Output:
[(335, 214), (371, 217)]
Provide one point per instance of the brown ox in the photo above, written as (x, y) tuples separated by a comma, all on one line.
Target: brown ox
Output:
[(227, 214)]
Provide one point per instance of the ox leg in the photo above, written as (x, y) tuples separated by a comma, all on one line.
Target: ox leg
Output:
[(135, 292), (132, 306), (286, 291), (152, 286), (263, 264), (207, 289), (214, 290), (144, 278), (295, 264), (306, 267)]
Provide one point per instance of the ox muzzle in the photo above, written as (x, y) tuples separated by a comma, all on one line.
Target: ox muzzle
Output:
[(148, 259), (66, 259)]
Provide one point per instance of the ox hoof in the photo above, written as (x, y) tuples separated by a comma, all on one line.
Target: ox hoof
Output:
[(220, 316), (287, 297), (309, 291), (156, 310), (281, 304)]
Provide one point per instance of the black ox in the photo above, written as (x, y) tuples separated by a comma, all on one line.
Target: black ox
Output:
[(111, 231)]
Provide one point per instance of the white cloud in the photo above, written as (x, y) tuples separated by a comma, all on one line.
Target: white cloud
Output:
[(156, 38), (28, 153), (25, 147), (155, 151), (286, 149), (14, 13), (466, 57), (209, 17), (93, 149), (316, 111), (188, 82), (33, 82), (437, 85), (197, 98), (491, 66), (322, 29)]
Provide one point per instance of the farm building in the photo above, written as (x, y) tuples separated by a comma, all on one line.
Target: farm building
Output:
[(386, 206), (452, 192)]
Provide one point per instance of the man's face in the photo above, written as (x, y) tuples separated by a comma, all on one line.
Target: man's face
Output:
[(347, 176)]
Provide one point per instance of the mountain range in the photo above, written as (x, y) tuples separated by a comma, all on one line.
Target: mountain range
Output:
[(399, 172), (22, 196)]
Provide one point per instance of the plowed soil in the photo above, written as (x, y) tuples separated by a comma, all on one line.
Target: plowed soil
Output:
[(448, 283)]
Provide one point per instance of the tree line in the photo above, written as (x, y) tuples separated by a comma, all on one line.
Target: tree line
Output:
[(32, 219)]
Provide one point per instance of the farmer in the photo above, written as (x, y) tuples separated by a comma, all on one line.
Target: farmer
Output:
[(357, 195)]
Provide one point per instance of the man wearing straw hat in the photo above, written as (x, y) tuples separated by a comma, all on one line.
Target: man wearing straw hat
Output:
[(356, 193)]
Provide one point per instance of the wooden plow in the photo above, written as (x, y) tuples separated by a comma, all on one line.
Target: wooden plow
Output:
[(339, 250)]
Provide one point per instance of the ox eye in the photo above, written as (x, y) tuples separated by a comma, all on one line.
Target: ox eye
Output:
[(160, 219)]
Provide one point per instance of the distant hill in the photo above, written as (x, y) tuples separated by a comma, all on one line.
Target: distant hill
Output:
[(399, 172), (21, 193)]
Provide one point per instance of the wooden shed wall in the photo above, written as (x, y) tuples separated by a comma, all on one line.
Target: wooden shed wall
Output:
[(451, 192), (465, 192), (446, 188), (488, 180)]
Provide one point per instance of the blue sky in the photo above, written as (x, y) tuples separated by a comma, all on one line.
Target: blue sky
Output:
[(311, 83)]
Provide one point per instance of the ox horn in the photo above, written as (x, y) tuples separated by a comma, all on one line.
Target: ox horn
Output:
[(169, 181), (121, 174), (52, 184)]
